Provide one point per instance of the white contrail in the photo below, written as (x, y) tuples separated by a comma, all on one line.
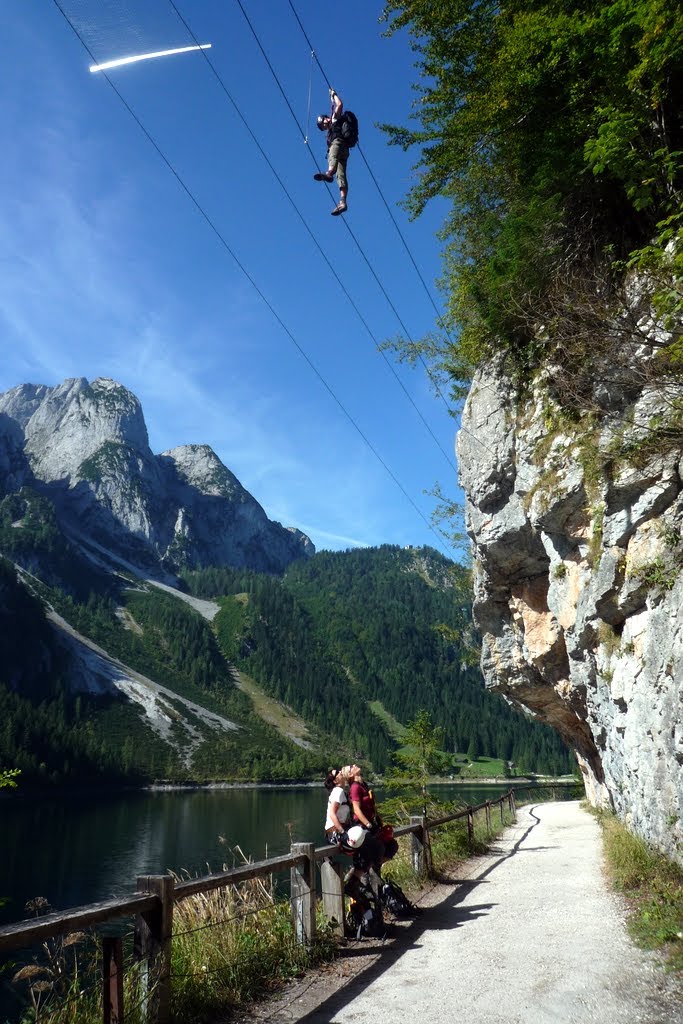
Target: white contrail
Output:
[(146, 56)]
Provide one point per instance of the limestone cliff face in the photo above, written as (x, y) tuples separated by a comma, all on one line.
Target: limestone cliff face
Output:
[(578, 585), (86, 446)]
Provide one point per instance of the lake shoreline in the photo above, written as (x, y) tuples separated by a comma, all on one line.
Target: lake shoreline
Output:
[(29, 791)]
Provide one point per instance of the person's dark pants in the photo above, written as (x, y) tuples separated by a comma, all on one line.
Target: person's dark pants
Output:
[(370, 854)]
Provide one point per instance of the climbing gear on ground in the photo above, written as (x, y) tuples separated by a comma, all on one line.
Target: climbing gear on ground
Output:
[(396, 901), (364, 916)]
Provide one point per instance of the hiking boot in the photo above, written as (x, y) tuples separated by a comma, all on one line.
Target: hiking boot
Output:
[(339, 208), (324, 176)]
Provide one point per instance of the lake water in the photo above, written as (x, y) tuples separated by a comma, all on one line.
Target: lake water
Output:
[(75, 849)]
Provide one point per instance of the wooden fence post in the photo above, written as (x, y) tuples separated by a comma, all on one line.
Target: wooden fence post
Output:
[(488, 816), (112, 980), (420, 846), (303, 893), (332, 885), (513, 806), (153, 934), (470, 825)]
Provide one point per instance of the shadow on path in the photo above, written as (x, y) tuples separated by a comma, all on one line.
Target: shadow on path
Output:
[(442, 916)]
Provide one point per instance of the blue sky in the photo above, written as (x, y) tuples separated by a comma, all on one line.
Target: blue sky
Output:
[(108, 269)]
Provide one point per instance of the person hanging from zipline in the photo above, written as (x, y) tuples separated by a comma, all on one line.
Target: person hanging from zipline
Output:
[(342, 134)]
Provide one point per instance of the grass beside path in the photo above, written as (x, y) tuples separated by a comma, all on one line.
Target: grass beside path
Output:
[(450, 846), (653, 887)]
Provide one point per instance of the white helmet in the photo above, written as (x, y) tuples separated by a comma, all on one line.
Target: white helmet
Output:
[(355, 836)]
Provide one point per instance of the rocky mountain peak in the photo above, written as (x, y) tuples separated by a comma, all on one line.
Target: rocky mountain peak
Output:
[(87, 445), (198, 466)]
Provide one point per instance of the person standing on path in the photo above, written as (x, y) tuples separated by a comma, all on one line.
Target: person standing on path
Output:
[(337, 150)]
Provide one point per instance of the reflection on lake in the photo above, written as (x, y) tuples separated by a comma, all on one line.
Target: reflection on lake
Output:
[(75, 848)]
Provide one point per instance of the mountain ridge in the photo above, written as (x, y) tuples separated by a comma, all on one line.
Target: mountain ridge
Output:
[(85, 444)]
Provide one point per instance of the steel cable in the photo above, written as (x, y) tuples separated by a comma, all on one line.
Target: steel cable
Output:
[(252, 281)]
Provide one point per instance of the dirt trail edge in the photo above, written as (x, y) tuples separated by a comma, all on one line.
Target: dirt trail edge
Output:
[(527, 933)]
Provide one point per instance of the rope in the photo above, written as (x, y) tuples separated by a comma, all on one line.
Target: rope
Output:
[(310, 85), (200, 209), (351, 233), (439, 315)]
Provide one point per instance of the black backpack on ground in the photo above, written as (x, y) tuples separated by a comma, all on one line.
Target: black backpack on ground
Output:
[(349, 128), (396, 901)]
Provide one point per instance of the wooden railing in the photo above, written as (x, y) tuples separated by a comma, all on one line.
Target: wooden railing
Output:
[(152, 907)]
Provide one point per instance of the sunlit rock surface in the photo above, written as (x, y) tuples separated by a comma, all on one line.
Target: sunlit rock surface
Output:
[(579, 590)]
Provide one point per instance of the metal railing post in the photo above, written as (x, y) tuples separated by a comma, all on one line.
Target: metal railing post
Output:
[(303, 893), (153, 935)]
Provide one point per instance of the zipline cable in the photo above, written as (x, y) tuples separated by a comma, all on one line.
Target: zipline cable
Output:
[(200, 209), (464, 429), (439, 315), (346, 223), (301, 217)]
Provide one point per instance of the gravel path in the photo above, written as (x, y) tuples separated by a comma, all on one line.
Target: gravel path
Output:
[(530, 934)]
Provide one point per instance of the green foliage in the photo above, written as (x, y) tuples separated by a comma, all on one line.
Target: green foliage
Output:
[(399, 620), (31, 536), (552, 130), (450, 843), (339, 632), (229, 625), (657, 574), (248, 948), (57, 737), (594, 554), (661, 263), (420, 758), (653, 885), (229, 946), (8, 778), (54, 735), (110, 457)]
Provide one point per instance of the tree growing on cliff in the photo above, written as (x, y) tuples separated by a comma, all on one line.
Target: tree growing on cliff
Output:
[(553, 129)]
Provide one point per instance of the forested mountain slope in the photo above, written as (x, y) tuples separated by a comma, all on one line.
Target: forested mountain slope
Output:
[(378, 624), (127, 681), (70, 714)]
